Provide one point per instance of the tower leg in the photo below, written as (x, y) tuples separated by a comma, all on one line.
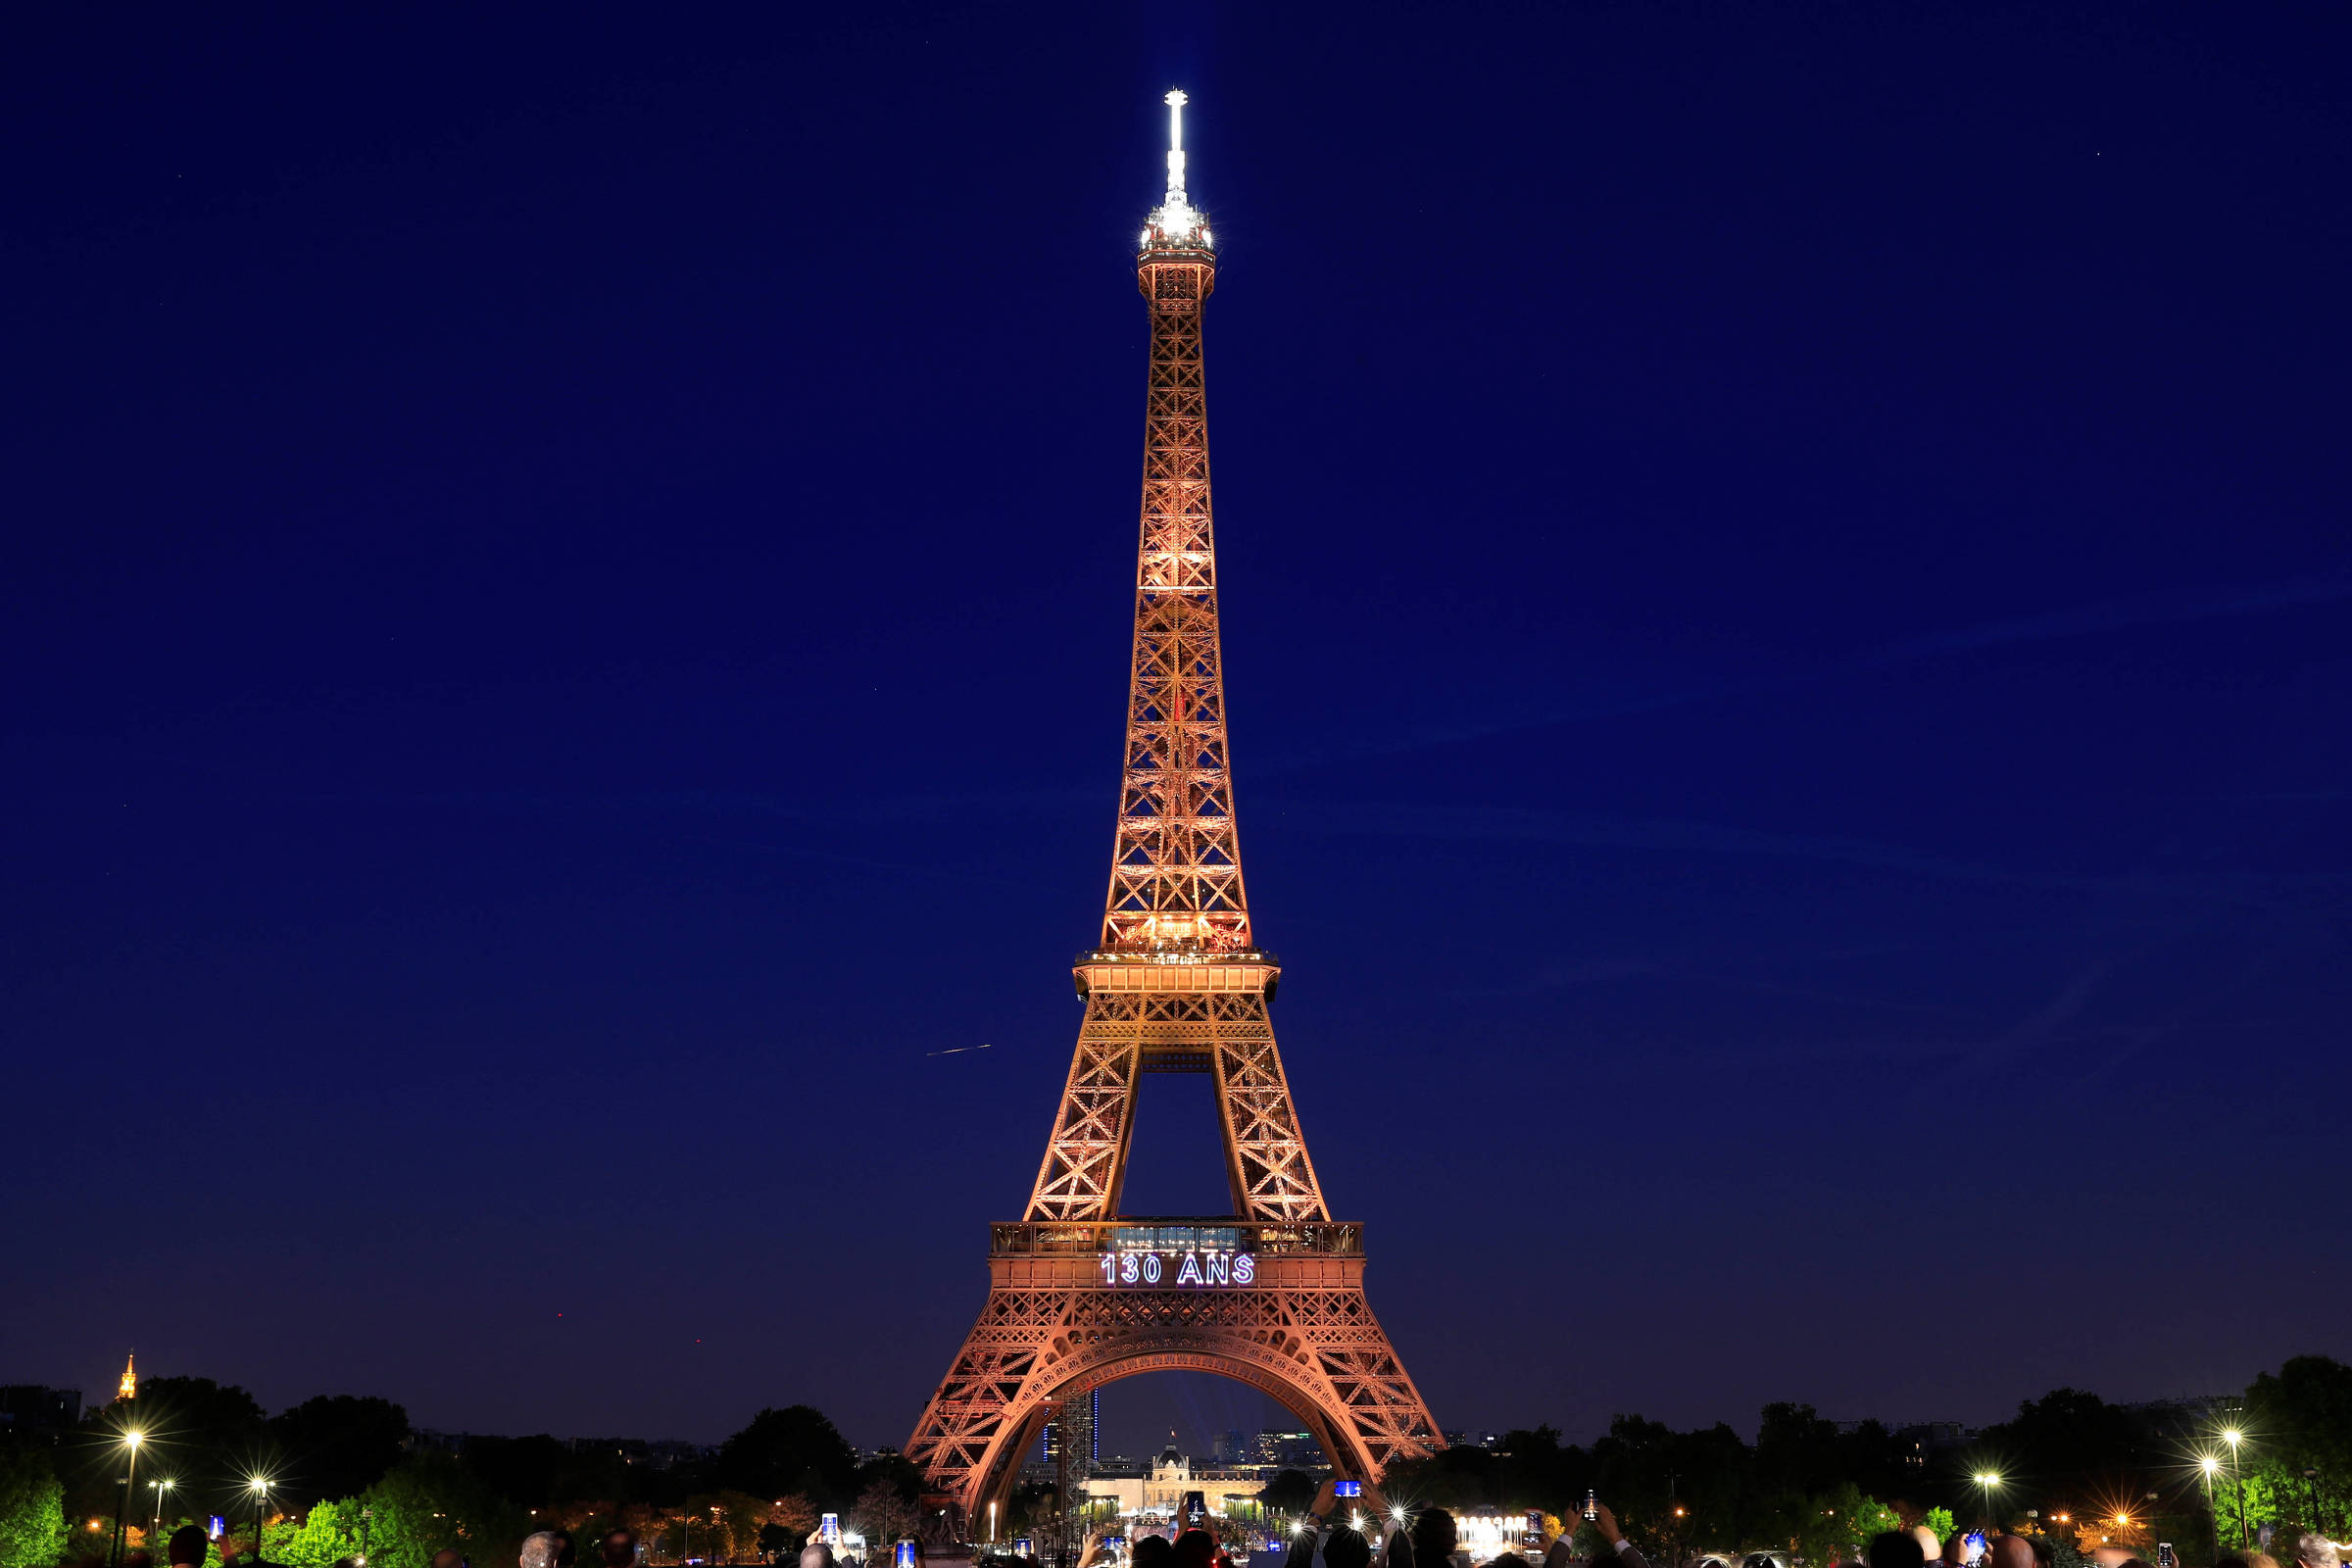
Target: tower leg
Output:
[(1317, 1348)]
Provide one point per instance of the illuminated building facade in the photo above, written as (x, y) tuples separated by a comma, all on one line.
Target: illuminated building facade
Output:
[(1158, 1497), (1079, 1295), (128, 1387)]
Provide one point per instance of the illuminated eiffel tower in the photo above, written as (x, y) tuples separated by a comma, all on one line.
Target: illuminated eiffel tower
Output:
[(1079, 1295)]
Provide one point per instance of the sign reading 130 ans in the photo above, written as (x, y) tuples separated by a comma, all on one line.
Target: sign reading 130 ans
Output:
[(1178, 1269)]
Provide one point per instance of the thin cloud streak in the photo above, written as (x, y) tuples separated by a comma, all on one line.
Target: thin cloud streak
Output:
[(2087, 621), (1589, 830)]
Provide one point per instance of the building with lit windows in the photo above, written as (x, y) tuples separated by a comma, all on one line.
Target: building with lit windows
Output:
[(1158, 1494)]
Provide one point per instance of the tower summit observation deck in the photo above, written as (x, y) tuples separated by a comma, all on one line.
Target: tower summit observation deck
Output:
[(1081, 1295)]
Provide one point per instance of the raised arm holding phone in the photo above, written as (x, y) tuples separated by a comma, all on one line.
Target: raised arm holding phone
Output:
[(1612, 1537)]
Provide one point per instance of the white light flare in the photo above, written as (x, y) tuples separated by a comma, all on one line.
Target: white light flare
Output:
[(1176, 221), (1176, 100)]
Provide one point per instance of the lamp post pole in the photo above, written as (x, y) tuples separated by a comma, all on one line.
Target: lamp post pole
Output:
[(2311, 1479), (2209, 1464), (1987, 1480), (2237, 1476), (130, 1470), (261, 1515)]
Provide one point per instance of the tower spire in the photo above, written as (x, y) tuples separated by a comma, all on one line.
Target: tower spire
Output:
[(1176, 100), (128, 1387), (1175, 221), (1176, 866)]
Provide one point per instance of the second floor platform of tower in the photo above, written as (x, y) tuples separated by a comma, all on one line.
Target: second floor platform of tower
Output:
[(1176, 968)]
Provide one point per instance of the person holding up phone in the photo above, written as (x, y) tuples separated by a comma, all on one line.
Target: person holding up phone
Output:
[(1331, 1538), (1560, 1551)]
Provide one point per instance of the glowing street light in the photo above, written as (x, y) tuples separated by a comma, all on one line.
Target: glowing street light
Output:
[(260, 1486), (161, 1487), (2234, 1437), (1987, 1480), (130, 1469)]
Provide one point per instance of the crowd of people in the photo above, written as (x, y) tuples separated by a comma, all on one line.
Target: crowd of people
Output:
[(1374, 1534), (1371, 1533), (1919, 1548)]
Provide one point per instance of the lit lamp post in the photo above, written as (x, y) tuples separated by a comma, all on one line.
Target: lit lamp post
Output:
[(155, 1529), (2208, 1467), (261, 1512), (2234, 1438), (1987, 1480), (130, 1469)]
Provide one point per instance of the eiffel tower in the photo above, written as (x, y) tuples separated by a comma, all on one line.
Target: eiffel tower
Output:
[(1080, 1294)]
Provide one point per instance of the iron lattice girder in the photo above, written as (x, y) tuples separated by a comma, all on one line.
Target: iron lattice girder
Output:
[(1176, 986), (1319, 1351), (1225, 1034), (1176, 866)]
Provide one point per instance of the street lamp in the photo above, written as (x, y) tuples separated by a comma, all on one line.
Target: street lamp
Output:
[(130, 1469), (1987, 1480), (153, 1530), (261, 1509), (2234, 1437)]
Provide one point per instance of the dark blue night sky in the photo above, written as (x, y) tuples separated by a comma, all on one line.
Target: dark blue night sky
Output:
[(567, 593)]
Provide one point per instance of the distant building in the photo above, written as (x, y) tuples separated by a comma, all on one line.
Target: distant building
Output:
[(1164, 1492), (1297, 1451), (629, 1451), (1920, 1444), (32, 1410), (664, 1453), (128, 1387), (1235, 1448)]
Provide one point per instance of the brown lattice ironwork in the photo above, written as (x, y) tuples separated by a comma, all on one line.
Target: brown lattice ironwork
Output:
[(1176, 985)]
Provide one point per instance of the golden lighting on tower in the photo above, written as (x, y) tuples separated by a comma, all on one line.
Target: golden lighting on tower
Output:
[(128, 1387), (1175, 983)]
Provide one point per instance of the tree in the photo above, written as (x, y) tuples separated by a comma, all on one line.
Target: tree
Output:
[(33, 1507), (433, 1502), (1291, 1492), (2301, 1419), (329, 1534), (895, 1469), (789, 1522), (2067, 1445), (882, 1513), (337, 1446), (1840, 1523), (528, 1472), (792, 1450), (1796, 1451), (210, 1434)]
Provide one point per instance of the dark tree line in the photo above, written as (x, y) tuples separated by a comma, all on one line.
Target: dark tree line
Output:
[(2067, 1459)]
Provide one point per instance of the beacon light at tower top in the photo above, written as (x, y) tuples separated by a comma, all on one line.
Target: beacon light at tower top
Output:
[(1175, 222)]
